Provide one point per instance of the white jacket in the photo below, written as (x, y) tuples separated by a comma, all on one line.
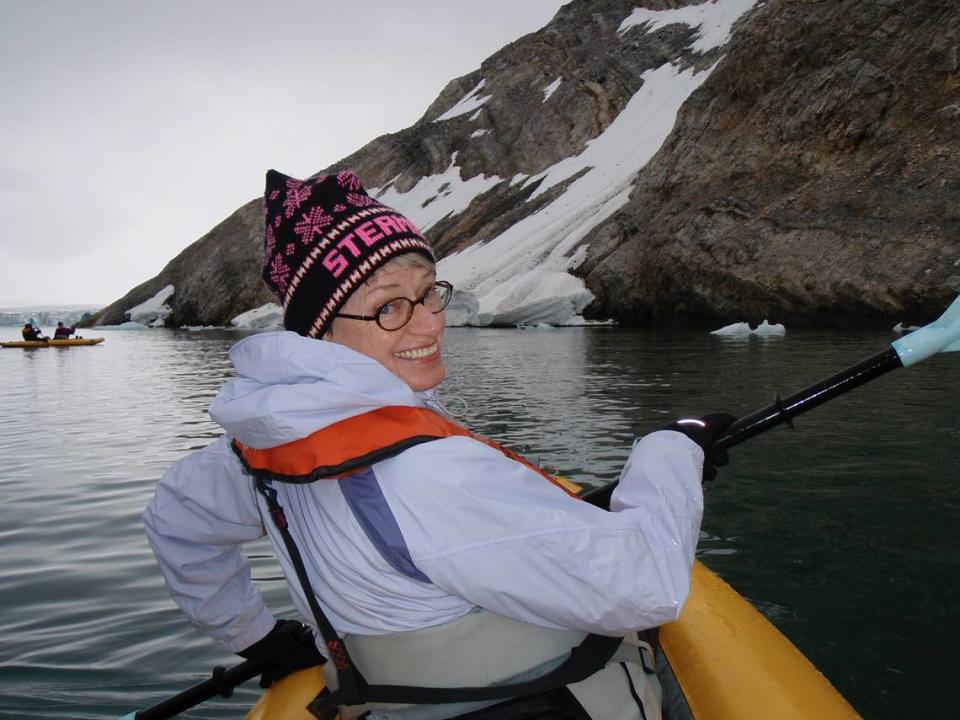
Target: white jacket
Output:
[(444, 526)]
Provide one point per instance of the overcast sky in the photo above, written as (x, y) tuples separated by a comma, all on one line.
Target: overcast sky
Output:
[(131, 127)]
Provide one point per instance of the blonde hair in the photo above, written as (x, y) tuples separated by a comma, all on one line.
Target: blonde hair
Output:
[(412, 260)]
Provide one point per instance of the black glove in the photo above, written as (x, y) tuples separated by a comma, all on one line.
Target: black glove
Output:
[(283, 650), (704, 432)]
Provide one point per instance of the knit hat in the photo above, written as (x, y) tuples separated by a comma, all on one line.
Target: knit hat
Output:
[(323, 237)]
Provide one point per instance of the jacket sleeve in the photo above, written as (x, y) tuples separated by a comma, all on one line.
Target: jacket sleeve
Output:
[(497, 534), (204, 508)]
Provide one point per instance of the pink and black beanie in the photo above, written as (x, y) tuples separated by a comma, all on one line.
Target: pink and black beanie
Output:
[(323, 237)]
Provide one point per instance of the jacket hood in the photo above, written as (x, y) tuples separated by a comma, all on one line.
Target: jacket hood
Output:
[(290, 386)]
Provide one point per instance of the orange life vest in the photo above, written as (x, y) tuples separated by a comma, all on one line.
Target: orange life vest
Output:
[(360, 441)]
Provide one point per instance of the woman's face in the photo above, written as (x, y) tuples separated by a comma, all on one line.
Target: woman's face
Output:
[(412, 353)]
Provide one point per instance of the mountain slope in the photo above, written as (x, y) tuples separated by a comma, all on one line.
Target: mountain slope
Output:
[(668, 162)]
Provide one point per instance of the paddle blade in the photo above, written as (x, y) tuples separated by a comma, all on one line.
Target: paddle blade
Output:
[(942, 335)]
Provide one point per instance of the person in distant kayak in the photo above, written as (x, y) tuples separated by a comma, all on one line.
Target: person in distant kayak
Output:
[(425, 557), (32, 333), (62, 332)]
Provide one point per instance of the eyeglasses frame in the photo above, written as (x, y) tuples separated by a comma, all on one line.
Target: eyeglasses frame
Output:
[(413, 307)]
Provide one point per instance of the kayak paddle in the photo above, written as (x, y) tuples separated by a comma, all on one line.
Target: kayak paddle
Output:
[(942, 335), (222, 683)]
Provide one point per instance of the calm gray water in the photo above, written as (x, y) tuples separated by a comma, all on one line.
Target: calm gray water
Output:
[(843, 531)]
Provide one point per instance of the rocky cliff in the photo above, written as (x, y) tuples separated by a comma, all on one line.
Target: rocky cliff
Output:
[(813, 177), (807, 173)]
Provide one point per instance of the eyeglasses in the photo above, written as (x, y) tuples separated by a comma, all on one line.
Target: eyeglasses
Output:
[(396, 313)]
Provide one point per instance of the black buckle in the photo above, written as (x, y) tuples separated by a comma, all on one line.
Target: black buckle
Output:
[(324, 705)]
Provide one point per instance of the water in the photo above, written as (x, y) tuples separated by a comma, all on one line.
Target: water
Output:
[(843, 532)]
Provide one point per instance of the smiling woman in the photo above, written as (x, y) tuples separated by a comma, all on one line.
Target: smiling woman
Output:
[(404, 536)]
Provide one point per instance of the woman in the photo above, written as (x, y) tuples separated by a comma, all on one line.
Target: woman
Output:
[(425, 556)]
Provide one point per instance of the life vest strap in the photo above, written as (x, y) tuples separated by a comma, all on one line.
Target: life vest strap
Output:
[(584, 660)]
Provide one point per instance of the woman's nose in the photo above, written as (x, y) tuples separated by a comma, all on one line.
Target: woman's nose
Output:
[(424, 320)]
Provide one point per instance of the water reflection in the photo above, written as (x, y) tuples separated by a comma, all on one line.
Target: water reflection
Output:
[(842, 531)]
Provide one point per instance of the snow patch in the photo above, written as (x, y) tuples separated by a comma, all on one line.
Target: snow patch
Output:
[(478, 133), (714, 20), (436, 197), (634, 137), (153, 312), (260, 318), (520, 276), (551, 89), (468, 103)]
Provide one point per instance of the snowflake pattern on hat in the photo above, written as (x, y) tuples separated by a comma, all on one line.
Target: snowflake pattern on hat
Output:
[(349, 181), (297, 193), (279, 273), (269, 241), (312, 223)]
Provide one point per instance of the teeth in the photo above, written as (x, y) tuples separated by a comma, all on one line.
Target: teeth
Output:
[(418, 353)]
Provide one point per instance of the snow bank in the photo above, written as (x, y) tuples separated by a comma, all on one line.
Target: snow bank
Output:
[(462, 310), (265, 316), (521, 275), (742, 329), (152, 312)]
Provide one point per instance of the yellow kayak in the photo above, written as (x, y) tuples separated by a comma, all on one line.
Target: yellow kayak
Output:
[(729, 662), (65, 342)]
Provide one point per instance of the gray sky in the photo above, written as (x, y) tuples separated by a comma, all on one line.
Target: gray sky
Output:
[(131, 127)]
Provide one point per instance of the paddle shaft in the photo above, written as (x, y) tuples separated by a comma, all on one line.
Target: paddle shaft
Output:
[(783, 411), (222, 683)]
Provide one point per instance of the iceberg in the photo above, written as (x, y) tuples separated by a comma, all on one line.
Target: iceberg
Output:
[(742, 329), (260, 318), (766, 329)]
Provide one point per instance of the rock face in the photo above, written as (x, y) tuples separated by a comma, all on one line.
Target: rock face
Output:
[(811, 178)]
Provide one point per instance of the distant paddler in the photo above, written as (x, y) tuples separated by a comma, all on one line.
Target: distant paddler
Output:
[(63, 332), (33, 334)]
